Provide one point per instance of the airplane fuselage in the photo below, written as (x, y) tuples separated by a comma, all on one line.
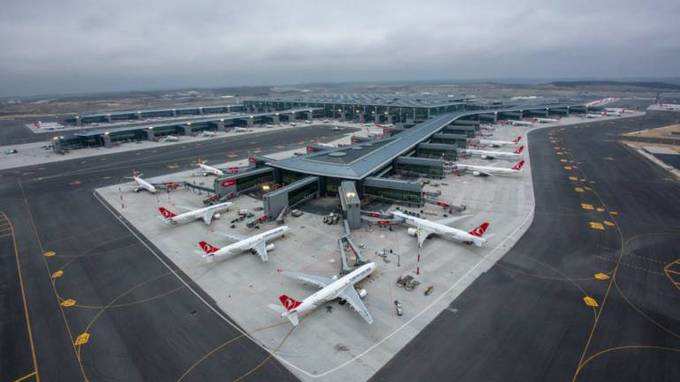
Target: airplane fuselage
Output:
[(493, 154), (487, 169), (248, 243), (210, 170), (199, 213), (493, 143), (441, 229), (144, 185)]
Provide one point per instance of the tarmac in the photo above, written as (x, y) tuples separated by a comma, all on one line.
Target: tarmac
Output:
[(526, 318), (337, 345), (143, 322)]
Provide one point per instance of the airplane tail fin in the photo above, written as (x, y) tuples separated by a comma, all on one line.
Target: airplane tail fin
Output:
[(519, 150), (516, 140), (479, 231), (518, 165), (288, 302), (286, 309), (207, 248), (166, 213)]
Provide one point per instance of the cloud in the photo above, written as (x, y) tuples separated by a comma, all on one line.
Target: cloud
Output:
[(72, 46)]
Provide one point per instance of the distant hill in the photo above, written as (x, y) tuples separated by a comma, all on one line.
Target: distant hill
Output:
[(637, 84)]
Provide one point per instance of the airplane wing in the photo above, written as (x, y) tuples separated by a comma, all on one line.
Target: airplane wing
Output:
[(208, 216), (261, 249), (319, 281), (451, 219), (350, 295), (233, 236)]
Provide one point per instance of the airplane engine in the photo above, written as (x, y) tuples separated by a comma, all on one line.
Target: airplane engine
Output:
[(217, 216), (362, 293), (484, 156), (270, 247), (412, 231), (476, 173)]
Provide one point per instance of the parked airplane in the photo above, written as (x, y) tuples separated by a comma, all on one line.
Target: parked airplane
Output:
[(613, 112), (602, 102), (488, 171), (422, 228), (592, 115), (142, 185), (521, 123), (206, 214), (669, 106), (546, 120), (485, 154), (257, 244), (210, 170), (493, 143), (331, 289), (208, 133), (170, 138)]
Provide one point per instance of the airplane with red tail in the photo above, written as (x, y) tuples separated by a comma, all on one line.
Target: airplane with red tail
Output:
[(423, 228)]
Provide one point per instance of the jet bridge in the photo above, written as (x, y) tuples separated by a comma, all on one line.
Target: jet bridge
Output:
[(345, 244), (290, 196), (351, 204)]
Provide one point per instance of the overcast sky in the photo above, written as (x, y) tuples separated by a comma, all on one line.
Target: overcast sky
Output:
[(49, 46)]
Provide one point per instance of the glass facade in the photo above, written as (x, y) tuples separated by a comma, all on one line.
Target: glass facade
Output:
[(394, 195)]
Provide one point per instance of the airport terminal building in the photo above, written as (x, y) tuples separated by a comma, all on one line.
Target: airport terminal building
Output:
[(369, 167), (424, 135)]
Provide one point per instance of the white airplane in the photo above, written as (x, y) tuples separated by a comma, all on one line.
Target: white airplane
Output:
[(609, 113), (208, 133), (210, 170), (143, 185), (485, 154), (331, 288), (615, 110), (206, 214), (257, 244), (423, 228), (521, 123), (546, 120), (488, 171), (170, 138), (592, 115), (493, 143), (669, 106), (602, 102)]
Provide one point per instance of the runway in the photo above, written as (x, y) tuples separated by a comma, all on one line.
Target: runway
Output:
[(99, 303), (526, 319)]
